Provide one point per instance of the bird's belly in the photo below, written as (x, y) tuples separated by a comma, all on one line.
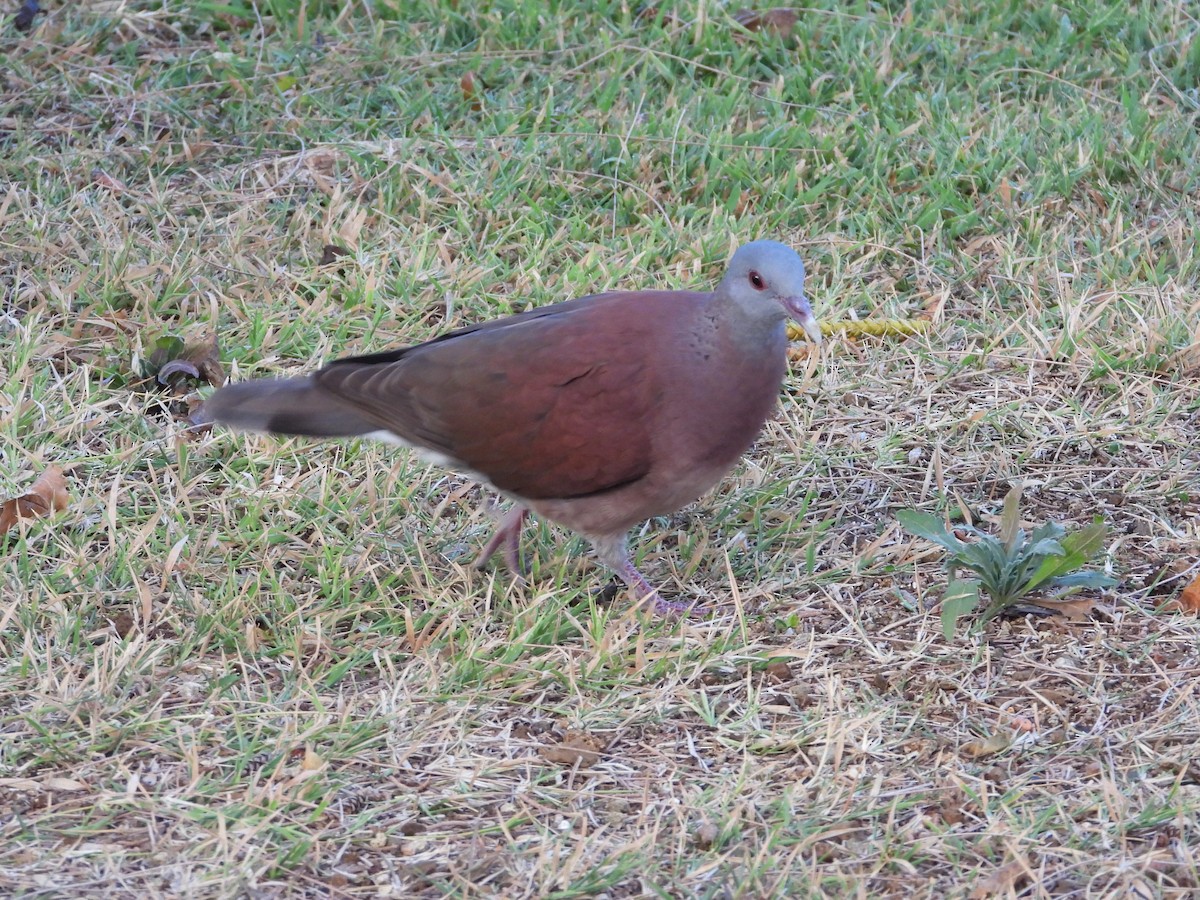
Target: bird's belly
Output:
[(621, 509)]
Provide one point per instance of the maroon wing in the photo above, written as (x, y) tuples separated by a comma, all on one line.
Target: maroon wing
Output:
[(558, 402)]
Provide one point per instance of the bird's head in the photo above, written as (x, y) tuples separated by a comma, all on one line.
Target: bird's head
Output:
[(765, 277)]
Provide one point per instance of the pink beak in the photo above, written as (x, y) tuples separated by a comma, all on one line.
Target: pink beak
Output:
[(799, 309)]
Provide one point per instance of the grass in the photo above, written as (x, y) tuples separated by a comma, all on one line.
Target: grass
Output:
[(245, 667)]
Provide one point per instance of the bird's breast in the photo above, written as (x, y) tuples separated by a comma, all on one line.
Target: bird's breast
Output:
[(719, 400)]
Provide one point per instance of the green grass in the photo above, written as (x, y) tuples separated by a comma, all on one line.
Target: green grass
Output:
[(237, 667)]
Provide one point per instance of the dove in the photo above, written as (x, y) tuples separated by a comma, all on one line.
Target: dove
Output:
[(595, 413)]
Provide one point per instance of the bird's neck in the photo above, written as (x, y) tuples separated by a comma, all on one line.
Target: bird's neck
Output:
[(756, 325)]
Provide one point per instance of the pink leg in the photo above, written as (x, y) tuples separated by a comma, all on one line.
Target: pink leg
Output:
[(506, 537), (613, 552)]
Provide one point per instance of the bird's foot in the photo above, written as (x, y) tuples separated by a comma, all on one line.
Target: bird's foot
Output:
[(674, 607), (506, 538), (648, 595), (613, 552)]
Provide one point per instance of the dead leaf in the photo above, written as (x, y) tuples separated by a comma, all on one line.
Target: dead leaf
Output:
[(104, 180), (950, 810), (64, 784), (778, 21), (778, 671), (47, 495), (1074, 609), (331, 253), (984, 244), (123, 624), (1001, 881), (255, 636), (1005, 191), (577, 748), (1189, 597), (312, 761), (470, 84), (201, 361), (566, 755), (985, 747), (706, 835)]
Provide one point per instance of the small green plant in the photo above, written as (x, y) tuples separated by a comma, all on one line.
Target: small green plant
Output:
[(1010, 567)]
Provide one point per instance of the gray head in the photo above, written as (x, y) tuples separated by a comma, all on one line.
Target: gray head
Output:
[(765, 278)]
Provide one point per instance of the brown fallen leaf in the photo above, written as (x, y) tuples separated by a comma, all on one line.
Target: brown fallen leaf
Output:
[(1005, 191), (256, 637), (577, 748), (706, 835), (47, 495), (331, 253), (1165, 579), (986, 747), (201, 361), (104, 180), (312, 760), (1074, 609), (470, 84), (779, 21), (950, 810), (778, 671), (1189, 597), (123, 624), (569, 756), (64, 784), (1000, 881)]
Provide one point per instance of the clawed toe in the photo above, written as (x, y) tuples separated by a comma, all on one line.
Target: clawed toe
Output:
[(648, 598), (506, 539), (675, 607)]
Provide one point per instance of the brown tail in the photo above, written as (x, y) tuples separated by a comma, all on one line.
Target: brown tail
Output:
[(284, 406)]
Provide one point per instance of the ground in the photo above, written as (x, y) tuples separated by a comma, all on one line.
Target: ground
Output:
[(234, 666)]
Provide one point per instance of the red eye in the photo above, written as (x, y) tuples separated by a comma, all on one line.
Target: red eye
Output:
[(756, 281)]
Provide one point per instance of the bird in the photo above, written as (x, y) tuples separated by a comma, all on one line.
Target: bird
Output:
[(595, 413)]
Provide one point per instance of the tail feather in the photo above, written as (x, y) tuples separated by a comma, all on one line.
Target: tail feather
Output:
[(296, 406)]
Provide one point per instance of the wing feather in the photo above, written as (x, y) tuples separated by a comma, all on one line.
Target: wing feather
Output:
[(552, 404)]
